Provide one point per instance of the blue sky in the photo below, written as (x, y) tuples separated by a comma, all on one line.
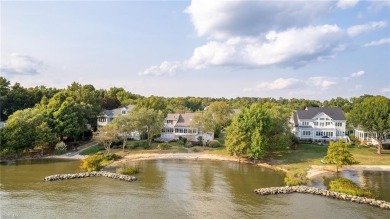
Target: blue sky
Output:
[(302, 49)]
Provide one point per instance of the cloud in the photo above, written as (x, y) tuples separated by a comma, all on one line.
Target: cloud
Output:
[(362, 28), (386, 90), (344, 4), (258, 34), (164, 68), (357, 74), (224, 19), (313, 83), (19, 64), (378, 42)]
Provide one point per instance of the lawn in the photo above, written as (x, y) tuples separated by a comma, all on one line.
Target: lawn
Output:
[(311, 154)]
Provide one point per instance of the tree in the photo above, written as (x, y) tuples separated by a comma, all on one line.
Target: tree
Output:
[(149, 120), (221, 114), (44, 137), (107, 135), (123, 125), (373, 115), (339, 155), (248, 132), (22, 130), (203, 121)]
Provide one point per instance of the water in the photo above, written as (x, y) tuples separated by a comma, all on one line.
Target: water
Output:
[(165, 189)]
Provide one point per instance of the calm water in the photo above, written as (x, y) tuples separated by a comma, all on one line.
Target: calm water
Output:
[(166, 189)]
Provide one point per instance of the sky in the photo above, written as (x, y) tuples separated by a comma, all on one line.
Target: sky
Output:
[(291, 49)]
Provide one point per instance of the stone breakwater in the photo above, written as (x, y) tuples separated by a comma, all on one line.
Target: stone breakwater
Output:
[(323, 192), (90, 174)]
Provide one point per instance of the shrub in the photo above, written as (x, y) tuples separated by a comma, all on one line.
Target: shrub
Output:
[(346, 186), (128, 170), (98, 161), (188, 145), (163, 146), (295, 178), (213, 143), (184, 140), (60, 148)]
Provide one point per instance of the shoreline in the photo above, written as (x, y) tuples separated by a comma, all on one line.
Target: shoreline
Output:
[(316, 170)]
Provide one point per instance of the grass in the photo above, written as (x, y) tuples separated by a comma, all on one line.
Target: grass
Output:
[(91, 150), (128, 170), (346, 186)]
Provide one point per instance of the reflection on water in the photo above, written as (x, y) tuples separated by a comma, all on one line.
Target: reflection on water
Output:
[(165, 189)]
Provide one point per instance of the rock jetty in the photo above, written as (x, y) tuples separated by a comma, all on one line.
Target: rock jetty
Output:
[(323, 192), (90, 174)]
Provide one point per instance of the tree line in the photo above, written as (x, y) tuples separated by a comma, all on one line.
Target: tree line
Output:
[(40, 116)]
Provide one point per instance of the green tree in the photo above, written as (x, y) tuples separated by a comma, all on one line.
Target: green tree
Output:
[(44, 137), (148, 120), (339, 155), (107, 135), (203, 121), (248, 132), (373, 115), (21, 130), (124, 126)]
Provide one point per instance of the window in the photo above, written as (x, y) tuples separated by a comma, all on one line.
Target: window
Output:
[(327, 123), (321, 124), (170, 121), (315, 123), (339, 124), (305, 123), (305, 133), (321, 118), (123, 112), (185, 130)]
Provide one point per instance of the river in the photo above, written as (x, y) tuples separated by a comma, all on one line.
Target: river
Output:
[(165, 189)]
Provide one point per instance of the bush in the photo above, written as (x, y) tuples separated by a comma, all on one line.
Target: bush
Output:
[(184, 140), (188, 145), (60, 148), (98, 161), (197, 149), (213, 143), (346, 186), (128, 170), (163, 146), (295, 178)]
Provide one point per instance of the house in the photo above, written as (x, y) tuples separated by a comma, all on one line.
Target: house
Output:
[(179, 124), (108, 115), (319, 124), (369, 138)]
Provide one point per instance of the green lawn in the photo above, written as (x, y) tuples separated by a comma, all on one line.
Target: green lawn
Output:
[(311, 154)]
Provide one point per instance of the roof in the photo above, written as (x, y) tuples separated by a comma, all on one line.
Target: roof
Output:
[(118, 111), (311, 112), (180, 120)]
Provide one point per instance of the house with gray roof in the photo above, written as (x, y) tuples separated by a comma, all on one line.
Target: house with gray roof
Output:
[(179, 124), (108, 115), (319, 124)]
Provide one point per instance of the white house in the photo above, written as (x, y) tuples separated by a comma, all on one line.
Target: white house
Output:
[(369, 138), (319, 124), (179, 124), (108, 115)]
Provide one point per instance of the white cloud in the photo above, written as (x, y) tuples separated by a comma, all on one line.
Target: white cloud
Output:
[(313, 83), (164, 68), (280, 84), (378, 42), (386, 90), (357, 74), (19, 64), (362, 28), (344, 4), (321, 82), (212, 53), (295, 47), (223, 19)]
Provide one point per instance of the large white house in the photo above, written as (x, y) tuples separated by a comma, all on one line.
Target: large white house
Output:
[(319, 124), (179, 124), (108, 115)]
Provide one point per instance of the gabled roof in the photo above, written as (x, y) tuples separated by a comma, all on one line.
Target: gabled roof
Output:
[(118, 111), (180, 120), (311, 112)]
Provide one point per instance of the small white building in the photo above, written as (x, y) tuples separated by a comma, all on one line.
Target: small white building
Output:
[(319, 124), (108, 115), (179, 124), (369, 138)]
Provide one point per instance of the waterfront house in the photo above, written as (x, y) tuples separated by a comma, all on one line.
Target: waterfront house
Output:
[(179, 124), (108, 115), (319, 124)]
